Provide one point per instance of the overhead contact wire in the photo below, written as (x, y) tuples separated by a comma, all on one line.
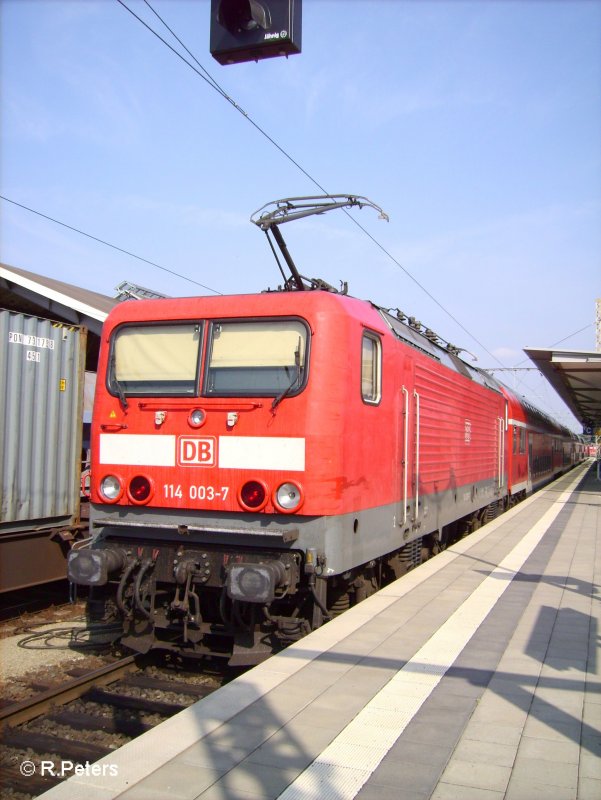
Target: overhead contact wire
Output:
[(108, 244), (214, 85), (565, 338)]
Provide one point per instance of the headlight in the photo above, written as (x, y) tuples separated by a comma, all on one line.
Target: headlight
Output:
[(288, 497), (111, 488), (197, 418)]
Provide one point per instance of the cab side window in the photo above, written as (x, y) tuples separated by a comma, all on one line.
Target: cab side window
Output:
[(371, 369)]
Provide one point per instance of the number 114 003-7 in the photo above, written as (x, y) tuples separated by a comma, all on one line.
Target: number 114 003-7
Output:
[(174, 491)]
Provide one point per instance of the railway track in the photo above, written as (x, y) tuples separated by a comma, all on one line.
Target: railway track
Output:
[(25, 602), (88, 716)]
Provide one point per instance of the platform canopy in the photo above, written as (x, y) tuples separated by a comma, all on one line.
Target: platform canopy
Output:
[(576, 377), (40, 296)]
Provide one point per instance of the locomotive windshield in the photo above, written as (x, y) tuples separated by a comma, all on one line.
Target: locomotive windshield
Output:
[(256, 357), (247, 358), (156, 360)]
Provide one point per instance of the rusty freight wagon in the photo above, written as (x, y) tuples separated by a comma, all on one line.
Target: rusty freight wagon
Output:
[(41, 415)]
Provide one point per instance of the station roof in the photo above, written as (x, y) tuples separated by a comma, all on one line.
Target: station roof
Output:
[(576, 377), (38, 295)]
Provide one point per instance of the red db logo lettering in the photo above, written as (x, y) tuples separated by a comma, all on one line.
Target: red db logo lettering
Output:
[(196, 451)]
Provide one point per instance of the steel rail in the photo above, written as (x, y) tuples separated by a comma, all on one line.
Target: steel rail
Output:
[(26, 710)]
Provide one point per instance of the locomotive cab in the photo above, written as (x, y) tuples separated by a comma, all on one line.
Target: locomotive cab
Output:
[(222, 491)]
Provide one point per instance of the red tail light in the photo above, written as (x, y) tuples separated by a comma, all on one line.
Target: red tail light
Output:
[(139, 489), (253, 495)]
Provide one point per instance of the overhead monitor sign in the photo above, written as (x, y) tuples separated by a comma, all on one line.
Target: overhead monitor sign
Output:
[(250, 30)]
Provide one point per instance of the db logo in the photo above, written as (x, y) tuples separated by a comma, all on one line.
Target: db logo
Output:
[(196, 451)]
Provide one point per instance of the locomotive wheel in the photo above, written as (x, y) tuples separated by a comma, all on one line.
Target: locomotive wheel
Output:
[(339, 601)]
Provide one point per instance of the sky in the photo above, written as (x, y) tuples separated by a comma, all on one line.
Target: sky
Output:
[(474, 124)]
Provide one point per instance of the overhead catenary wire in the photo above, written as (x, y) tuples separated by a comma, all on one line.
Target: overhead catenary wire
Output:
[(537, 394), (208, 75), (560, 341), (216, 86), (553, 344), (569, 336), (210, 81), (108, 244), (199, 70), (213, 83)]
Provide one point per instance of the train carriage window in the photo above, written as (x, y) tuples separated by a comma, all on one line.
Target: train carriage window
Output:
[(371, 369), (256, 358), (155, 360)]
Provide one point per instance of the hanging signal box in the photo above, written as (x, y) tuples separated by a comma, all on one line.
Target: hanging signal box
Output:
[(249, 30)]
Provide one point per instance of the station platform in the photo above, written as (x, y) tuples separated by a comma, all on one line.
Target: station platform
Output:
[(475, 676)]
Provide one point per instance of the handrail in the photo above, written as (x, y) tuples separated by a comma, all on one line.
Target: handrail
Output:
[(416, 396), (405, 452), (501, 464)]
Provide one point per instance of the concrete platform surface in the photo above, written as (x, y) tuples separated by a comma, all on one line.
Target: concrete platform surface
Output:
[(475, 676)]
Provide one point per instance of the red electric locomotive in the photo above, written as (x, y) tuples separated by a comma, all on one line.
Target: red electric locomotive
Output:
[(262, 462)]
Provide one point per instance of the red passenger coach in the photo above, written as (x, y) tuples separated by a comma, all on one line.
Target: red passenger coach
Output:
[(538, 447), (261, 463)]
